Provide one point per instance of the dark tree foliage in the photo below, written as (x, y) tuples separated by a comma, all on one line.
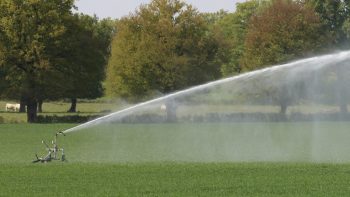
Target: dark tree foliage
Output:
[(28, 34), (85, 56), (334, 15), (233, 28), (49, 53)]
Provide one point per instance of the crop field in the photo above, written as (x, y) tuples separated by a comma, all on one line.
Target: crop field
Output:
[(178, 160)]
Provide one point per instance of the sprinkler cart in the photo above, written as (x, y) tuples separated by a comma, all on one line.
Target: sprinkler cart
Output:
[(54, 152)]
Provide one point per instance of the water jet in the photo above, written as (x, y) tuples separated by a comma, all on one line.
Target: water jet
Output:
[(287, 112)]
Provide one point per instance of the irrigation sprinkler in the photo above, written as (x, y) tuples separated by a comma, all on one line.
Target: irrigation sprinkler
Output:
[(53, 153)]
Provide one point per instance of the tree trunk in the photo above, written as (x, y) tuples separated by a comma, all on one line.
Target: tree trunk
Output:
[(343, 108), (73, 107), (283, 110), (171, 112), (31, 110), (284, 101), (22, 107), (342, 91), (40, 106)]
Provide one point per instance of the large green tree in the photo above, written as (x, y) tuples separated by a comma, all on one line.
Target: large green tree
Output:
[(284, 31), (334, 15), (164, 46), (29, 30), (216, 32), (85, 55), (233, 27)]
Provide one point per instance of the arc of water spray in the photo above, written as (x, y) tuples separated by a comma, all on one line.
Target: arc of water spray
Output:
[(342, 55)]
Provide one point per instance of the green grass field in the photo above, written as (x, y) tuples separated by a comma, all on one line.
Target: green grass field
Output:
[(145, 166), (59, 109), (157, 179)]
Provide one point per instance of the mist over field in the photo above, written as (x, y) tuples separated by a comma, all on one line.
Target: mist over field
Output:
[(325, 142)]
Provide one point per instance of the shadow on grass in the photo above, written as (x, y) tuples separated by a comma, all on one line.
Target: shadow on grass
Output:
[(92, 112), (65, 119)]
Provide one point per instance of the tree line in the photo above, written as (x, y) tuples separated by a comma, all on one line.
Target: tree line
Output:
[(168, 45), (49, 53)]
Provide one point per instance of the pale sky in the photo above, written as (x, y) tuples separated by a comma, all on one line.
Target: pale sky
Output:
[(119, 8)]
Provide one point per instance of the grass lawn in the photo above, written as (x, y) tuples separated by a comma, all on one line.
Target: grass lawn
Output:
[(85, 176), (59, 109)]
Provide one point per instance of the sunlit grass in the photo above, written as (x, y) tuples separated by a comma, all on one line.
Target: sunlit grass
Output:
[(60, 109), (82, 176)]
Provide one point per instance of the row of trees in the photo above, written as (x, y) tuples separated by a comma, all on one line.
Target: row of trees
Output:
[(168, 45), (49, 53), (281, 30), (267, 32)]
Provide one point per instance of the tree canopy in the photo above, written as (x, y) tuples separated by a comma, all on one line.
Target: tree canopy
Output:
[(234, 28), (47, 52), (29, 33), (86, 52), (164, 46), (284, 31), (334, 15)]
